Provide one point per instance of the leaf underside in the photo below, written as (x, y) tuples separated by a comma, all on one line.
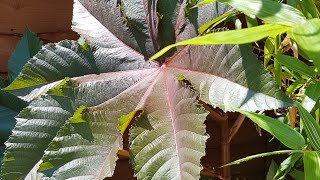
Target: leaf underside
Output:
[(168, 139)]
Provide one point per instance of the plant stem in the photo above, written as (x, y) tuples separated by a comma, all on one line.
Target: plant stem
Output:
[(236, 126), (277, 65)]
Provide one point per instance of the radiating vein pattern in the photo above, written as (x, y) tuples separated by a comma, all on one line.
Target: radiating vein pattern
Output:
[(168, 139), (229, 75), (88, 149)]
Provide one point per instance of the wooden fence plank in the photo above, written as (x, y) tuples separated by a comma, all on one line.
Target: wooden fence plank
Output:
[(7, 45), (50, 19), (42, 16)]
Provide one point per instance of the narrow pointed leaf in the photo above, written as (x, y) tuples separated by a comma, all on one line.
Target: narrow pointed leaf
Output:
[(311, 127), (27, 47), (169, 138), (297, 174), (242, 36), (295, 85), (295, 65), (311, 162), (307, 37), (268, 50), (262, 155), (269, 11), (205, 2), (309, 9), (286, 135), (215, 21), (286, 165), (311, 95), (272, 170)]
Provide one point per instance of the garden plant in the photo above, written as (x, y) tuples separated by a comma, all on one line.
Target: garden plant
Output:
[(151, 67)]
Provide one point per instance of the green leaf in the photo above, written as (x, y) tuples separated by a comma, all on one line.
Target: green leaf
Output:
[(169, 135), (77, 116), (307, 37), (296, 174), (269, 11), (84, 150), (293, 3), (10, 105), (135, 38), (286, 166), (228, 75), (1, 154), (295, 85), (216, 21), (268, 50), (242, 36), (286, 135), (185, 26), (272, 170), (311, 95), (7, 123), (295, 65), (204, 2), (36, 126), (27, 47), (309, 8), (124, 121), (311, 161), (251, 21), (11, 101), (311, 127), (58, 89), (277, 67), (221, 85), (54, 62), (95, 142), (262, 155)]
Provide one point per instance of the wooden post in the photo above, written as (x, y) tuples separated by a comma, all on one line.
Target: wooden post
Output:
[(225, 149)]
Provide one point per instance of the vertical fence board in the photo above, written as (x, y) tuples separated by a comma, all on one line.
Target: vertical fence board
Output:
[(50, 19)]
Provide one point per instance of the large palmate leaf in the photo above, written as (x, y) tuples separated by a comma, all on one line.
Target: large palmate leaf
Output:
[(168, 140), (55, 61), (228, 75), (72, 131)]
